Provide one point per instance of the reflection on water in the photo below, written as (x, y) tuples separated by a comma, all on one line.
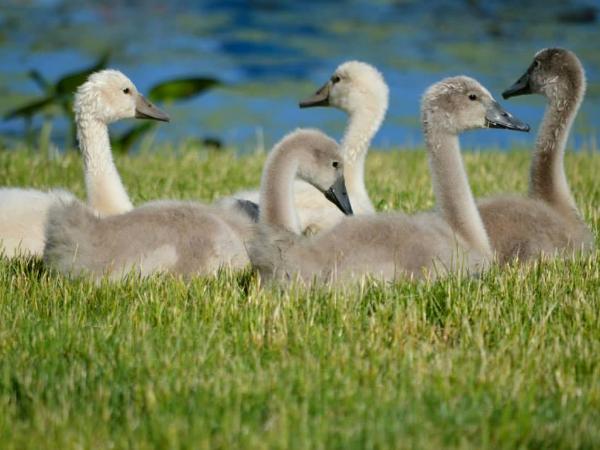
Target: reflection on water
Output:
[(272, 53)]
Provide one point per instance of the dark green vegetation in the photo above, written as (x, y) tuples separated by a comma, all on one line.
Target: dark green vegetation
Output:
[(510, 360)]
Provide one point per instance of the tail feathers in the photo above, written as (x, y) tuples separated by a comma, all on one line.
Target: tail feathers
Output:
[(251, 209), (69, 229), (247, 207), (269, 251)]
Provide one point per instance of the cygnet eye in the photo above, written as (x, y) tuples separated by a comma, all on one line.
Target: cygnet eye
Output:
[(472, 97), (335, 79), (126, 91), (537, 63), (335, 164)]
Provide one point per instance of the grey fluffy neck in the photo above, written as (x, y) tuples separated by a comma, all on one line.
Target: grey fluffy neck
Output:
[(277, 192), (452, 191), (548, 180), (362, 126), (105, 191)]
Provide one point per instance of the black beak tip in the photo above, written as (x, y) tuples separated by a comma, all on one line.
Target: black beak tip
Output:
[(312, 102), (513, 92), (340, 200)]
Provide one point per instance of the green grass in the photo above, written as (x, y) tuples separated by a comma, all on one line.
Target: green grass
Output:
[(507, 361)]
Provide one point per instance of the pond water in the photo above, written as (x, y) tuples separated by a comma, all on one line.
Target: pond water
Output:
[(271, 53)]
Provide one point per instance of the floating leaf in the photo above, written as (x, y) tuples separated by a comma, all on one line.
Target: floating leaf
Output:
[(69, 83), (30, 109), (181, 89)]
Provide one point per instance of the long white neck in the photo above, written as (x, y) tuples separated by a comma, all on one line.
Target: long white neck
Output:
[(105, 191), (548, 180), (362, 126), (277, 193), (452, 191)]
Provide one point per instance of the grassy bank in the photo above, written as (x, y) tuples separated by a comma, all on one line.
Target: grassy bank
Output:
[(507, 361)]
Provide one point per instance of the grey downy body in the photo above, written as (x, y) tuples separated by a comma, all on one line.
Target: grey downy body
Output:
[(182, 238)]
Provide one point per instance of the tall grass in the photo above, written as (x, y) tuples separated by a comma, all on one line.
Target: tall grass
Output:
[(510, 360)]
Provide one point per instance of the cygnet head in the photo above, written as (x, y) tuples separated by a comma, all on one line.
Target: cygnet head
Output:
[(353, 86), (108, 96), (553, 72), (460, 103), (319, 162)]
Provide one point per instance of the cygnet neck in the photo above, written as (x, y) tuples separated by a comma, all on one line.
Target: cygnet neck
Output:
[(277, 190), (363, 123), (452, 191), (548, 180), (106, 193)]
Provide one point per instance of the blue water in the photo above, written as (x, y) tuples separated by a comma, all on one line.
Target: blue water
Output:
[(270, 54)]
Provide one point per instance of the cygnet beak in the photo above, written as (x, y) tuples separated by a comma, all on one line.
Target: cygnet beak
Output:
[(497, 117), (145, 109), (319, 98), (521, 87), (338, 195)]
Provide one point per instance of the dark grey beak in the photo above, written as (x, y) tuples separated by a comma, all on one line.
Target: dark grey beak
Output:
[(319, 98), (146, 110), (521, 87), (497, 117), (338, 195)]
